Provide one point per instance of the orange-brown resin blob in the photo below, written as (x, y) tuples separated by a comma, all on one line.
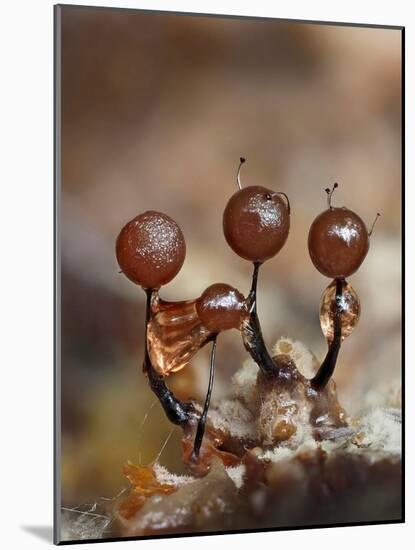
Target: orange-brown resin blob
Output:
[(221, 307), (151, 249), (283, 429), (174, 334), (144, 480), (338, 242), (349, 308), (256, 222)]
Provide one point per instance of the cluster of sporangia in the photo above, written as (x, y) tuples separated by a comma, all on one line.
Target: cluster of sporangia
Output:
[(151, 250)]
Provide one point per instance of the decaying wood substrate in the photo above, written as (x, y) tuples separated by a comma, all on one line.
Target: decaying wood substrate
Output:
[(276, 454)]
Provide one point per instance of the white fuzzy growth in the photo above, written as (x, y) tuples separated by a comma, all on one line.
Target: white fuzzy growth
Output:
[(385, 395), (77, 524), (305, 361), (164, 476), (381, 431), (159, 520), (237, 473), (231, 416), (244, 383), (279, 454)]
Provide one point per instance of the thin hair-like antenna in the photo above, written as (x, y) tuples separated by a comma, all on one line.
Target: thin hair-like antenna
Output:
[(373, 224), (330, 193), (162, 448), (140, 427), (238, 180)]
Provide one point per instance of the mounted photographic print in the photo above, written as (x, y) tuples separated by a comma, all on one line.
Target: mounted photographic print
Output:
[(228, 200)]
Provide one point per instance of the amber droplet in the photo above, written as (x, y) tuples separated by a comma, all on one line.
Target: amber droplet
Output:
[(174, 334), (129, 506), (256, 222), (283, 430), (208, 453), (338, 242), (349, 310), (151, 249), (221, 307), (145, 482)]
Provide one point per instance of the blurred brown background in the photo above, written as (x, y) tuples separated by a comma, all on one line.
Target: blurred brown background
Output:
[(156, 111)]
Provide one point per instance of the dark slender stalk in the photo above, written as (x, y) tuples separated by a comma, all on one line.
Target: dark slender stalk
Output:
[(176, 411), (149, 295), (327, 367), (202, 420), (254, 285), (252, 333)]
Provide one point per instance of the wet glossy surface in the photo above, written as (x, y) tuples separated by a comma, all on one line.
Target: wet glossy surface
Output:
[(221, 307), (349, 310), (288, 404), (256, 222), (174, 334), (338, 242), (151, 249)]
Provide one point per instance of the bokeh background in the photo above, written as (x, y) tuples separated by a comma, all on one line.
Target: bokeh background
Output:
[(156, 111)]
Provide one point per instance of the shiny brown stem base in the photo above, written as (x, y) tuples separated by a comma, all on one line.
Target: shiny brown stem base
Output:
[(327, 367), (177, 412), (252, 333)]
